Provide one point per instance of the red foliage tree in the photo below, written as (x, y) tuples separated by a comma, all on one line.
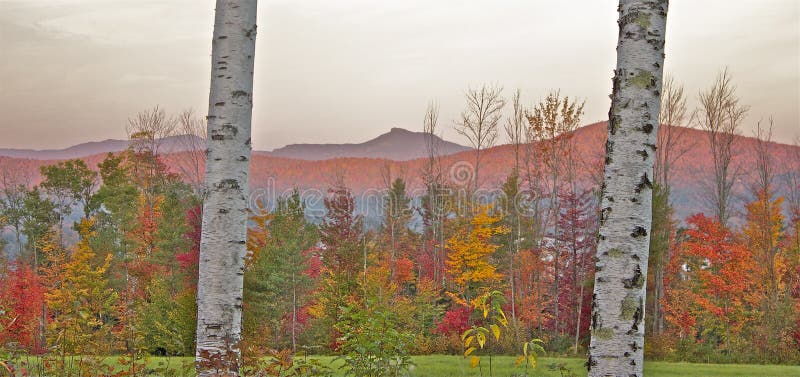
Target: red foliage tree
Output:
[(21, 297)]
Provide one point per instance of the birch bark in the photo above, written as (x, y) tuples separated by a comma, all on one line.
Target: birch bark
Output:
[(222, 243), (616, 347)]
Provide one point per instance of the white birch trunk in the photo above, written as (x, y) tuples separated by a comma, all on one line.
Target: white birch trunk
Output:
[(222, 244), (617, 343)]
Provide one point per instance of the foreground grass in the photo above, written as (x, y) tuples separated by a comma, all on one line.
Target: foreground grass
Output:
[(503, 366)]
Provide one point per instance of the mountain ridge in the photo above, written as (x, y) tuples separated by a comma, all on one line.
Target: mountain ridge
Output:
[(398, 144)]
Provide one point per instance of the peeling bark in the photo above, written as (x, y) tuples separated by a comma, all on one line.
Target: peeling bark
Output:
[(622, 251), (222, 244)]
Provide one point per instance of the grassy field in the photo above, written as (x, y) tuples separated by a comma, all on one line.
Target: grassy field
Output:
[(503, 366)]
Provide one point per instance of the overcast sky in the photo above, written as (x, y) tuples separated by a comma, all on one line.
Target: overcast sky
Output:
[(345, 71)]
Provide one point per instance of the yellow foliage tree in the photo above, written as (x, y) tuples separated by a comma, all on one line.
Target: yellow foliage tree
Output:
[(82, 305), (469, 260), (764, 231)]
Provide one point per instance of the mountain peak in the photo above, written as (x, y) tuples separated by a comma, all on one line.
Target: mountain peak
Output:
[(398, 144)]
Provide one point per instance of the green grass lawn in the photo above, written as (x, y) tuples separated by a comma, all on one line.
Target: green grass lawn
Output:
[(503, 366)]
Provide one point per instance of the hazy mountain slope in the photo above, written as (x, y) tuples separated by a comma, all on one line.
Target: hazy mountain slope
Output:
[(169, 144), (272, 175)]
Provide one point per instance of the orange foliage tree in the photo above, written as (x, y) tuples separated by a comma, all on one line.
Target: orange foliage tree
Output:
[(469, 261), (713, 284)]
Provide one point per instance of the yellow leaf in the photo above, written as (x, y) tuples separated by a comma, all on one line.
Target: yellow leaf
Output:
[(481, 339), (495, 331), (469, 351), (468, 341), (519, 360), (532, 360), (474, 361)]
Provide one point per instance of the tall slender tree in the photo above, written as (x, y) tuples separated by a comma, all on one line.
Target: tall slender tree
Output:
[(480, 120), (224, 235), (616, 347), (721, 115)]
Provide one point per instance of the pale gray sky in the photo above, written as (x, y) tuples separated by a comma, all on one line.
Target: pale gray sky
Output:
[(345, 71)]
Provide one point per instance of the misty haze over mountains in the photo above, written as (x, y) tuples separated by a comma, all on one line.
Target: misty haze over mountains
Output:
[(171, 144), (398, 144)]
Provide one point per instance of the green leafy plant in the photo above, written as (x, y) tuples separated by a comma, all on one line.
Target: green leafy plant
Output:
[(372, 344), (489, 308), (529, 351)]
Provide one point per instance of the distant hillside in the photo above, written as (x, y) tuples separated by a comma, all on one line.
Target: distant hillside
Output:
[(271, 174), (168, 145), (398, 144)]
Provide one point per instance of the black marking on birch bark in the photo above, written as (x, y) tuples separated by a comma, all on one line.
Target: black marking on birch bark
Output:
[(223, 210), (604, 214), (219, 104), (596, 321), (239, 93), (251, 32), (635, 347), (223, 68), (633, 362), (247, 142), (635, 257), (637, 319), (643, 183), (626, 354), (228, 184), (647, 128), (223, 37), (241, 158), (613, 124), (638, 232), (590, 363), (226, 132), (636, 281), (643, 153), (651, 146)]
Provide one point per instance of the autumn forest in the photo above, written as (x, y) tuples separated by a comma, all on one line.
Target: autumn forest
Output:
[(547, 244)]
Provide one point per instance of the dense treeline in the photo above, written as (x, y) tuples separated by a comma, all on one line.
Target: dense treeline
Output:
[(122, 278)]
